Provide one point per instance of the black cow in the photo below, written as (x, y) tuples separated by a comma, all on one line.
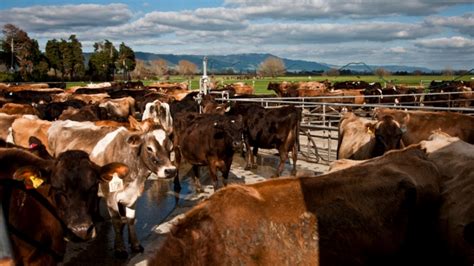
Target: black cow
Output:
[(51, 111), (48, 200), (273, 128), (207, 139)]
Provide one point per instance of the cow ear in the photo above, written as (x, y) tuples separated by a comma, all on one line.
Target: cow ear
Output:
[(370, 128), (107, 171), (30, 175), (134, 124), (134, 140)]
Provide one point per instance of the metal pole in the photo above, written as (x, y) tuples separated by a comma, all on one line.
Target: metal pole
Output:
[(13, 50)]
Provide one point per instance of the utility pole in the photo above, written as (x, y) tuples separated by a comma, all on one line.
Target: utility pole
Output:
[(13, 49)]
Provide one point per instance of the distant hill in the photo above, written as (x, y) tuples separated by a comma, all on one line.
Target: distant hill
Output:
[(237, 62), (249, 63)]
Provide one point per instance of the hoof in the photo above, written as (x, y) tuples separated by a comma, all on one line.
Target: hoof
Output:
[(254, 166), (247, 167), (121, 254), (138, 249)]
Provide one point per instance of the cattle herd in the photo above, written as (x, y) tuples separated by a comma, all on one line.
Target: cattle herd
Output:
[(400, 192)]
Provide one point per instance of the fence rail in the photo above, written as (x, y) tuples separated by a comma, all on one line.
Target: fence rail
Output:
[(321, 115)]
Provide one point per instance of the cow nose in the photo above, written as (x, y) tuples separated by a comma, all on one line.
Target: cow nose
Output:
[(237, 144), (170, 172), (84, 231)]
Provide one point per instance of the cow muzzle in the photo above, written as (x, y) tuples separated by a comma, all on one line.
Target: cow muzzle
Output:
[(236, 145), (84, 232)]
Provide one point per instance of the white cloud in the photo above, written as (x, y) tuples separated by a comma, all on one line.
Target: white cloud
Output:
[(456, 43), (215, 19), (464, 24), (297, 33), (398, 50), (305, 9), (66, 17)]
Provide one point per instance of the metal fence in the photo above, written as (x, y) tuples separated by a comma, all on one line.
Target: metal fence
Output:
[(321, 115)]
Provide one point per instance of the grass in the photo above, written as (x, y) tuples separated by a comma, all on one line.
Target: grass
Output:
[(261, 84)]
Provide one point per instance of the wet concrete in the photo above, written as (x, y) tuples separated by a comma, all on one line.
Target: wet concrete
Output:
[(158, 202)]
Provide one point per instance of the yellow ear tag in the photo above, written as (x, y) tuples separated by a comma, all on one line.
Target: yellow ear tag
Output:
[(36, 181), (116, 184), (369, 131)]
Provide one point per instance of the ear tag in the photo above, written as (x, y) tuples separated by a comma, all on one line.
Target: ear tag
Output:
[(116, 184), (36, 182), (129, 213), (369, 131), (403, 129)]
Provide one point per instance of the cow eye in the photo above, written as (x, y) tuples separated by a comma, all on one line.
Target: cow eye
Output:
[(149, 149)]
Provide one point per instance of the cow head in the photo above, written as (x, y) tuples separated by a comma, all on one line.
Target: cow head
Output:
[(160, 113), (155, 151), (388, 135), (230, 128), (74, 185)]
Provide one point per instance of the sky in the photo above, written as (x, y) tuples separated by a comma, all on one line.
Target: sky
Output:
[(438, 34)]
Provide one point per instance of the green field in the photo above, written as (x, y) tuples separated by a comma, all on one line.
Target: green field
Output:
[(261, 84)]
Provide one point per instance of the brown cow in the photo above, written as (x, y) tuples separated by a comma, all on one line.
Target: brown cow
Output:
[(361, 139), (273, 128), (51, 202), (6, 122), (375, 213), (418, 125), (25, 127), (119, 108), (18, 109), (454, 159), (207, 139), (284, 89), (144, 153)]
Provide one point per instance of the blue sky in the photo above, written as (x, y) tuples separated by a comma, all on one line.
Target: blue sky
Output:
[(430, 33)]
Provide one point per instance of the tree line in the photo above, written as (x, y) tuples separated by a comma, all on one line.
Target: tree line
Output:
[(62, 59)]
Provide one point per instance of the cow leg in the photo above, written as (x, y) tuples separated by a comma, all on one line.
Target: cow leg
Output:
[(132, 236), (226, 170), (197, 183), (177, 185), (254, 155), (119, 247), (213, 174), (294, 155), (248, 156), (283, 157)]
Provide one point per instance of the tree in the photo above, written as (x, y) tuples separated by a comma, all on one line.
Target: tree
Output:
[(448, 71), (272, 66), (187, 68), (22, 52), (126, 60), (381, 72), (159, 67), (142, 70), (53, 54), (333, 72), (102, 61), (77, 58)]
